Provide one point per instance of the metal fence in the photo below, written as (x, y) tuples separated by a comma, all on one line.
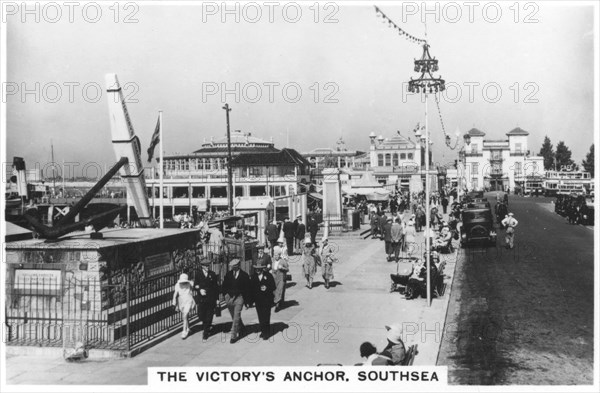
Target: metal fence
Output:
[(335, 222), (63, 311)]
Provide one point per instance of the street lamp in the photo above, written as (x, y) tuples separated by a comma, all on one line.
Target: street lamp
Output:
[(463, 159), (428, 84)]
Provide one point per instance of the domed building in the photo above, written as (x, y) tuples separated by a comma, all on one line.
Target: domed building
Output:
[(211, 158)]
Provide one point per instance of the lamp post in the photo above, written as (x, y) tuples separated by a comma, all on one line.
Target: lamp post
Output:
[(462, 157), (428, 84)]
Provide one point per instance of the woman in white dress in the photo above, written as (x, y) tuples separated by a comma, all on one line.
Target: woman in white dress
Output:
[(183, 301)]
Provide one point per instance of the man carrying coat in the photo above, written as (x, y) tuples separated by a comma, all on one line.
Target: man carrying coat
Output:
[(206, 285), (262, 286)]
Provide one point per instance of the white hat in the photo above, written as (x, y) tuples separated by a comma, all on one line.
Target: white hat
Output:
[(510, 214), (183, 278), (394, 334)]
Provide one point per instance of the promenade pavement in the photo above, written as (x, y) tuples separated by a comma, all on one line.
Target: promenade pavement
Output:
[(318, 326)]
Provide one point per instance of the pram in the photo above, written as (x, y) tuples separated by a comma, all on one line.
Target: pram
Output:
[(403, 271)]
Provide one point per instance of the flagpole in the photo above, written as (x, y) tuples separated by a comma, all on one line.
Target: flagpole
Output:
[(162, 167)]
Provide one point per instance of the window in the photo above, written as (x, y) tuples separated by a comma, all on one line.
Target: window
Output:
[(388, 159), (395, 159), (256, 171), (238, 191), (517, 168), (180, 192), (403, 156), (410, 156), (474, 148), (475, 168), (199, 192), (277, 190), (380, 160), (218, 192), (518, 147), (258, 190)]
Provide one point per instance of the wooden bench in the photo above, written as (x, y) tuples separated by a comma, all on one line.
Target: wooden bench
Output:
[(411, 353)]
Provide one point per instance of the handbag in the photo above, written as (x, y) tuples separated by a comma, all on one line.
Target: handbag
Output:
[(317, 259)]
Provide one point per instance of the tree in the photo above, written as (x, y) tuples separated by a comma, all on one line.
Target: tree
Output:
[(563, 156), (588, 163), (547, 152)]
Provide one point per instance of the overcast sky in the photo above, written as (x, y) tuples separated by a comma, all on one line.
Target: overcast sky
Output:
[(172, 54)]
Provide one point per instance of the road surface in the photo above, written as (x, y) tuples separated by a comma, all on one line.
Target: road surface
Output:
[(524, 316)]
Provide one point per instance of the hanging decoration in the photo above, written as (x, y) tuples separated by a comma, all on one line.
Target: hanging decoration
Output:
[(447, 137), (401, 32)]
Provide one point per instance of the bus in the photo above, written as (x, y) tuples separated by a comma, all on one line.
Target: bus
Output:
[(566, 182)]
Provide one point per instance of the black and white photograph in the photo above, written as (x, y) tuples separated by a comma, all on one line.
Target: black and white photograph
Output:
[(268, 196)]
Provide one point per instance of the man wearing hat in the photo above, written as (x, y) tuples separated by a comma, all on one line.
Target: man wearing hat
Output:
[(262, 286), (300, 233), (279, 270), (263, 257), (206, 294), (236, 288), (272, 233), (387, 237), (510, 223), (313, 228), (288, 233)]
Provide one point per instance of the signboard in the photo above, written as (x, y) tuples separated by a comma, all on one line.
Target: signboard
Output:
[(38, 282), (158, 264)]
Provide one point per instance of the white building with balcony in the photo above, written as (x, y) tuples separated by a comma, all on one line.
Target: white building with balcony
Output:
[(499, 164)]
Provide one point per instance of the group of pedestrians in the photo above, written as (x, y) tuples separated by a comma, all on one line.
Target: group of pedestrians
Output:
[(294, 233), (264, 289)]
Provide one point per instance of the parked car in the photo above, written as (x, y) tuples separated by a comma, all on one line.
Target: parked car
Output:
[(477, 227)]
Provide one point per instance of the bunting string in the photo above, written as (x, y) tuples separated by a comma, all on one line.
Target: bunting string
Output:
[(447, 137), (391, 23)]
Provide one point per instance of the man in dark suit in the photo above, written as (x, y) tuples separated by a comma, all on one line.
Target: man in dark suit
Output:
[(206, 285), (288, 233), (262, 286), (236, 288), (295, 226), (387, 237), (312, 228), (272, 232), (300, 234)]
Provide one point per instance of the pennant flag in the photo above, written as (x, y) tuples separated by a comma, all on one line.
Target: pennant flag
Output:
[(154, 141)]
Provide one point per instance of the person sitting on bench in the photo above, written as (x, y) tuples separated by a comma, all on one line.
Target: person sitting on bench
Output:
[(395, 348)]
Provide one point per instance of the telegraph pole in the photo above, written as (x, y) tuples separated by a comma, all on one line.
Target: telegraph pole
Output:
[(229, 170)]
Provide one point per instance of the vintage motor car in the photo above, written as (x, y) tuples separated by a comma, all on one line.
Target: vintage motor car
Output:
[(477, 227)]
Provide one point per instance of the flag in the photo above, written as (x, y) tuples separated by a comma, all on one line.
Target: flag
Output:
[(154, 141)]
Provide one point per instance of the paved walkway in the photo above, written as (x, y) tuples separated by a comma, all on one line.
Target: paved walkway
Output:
[(320, 326)]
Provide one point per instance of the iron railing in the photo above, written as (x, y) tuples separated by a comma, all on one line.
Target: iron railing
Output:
[(54, 309)]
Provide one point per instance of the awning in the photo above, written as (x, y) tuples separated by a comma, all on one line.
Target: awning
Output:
[(253, 203), (315, 195)]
